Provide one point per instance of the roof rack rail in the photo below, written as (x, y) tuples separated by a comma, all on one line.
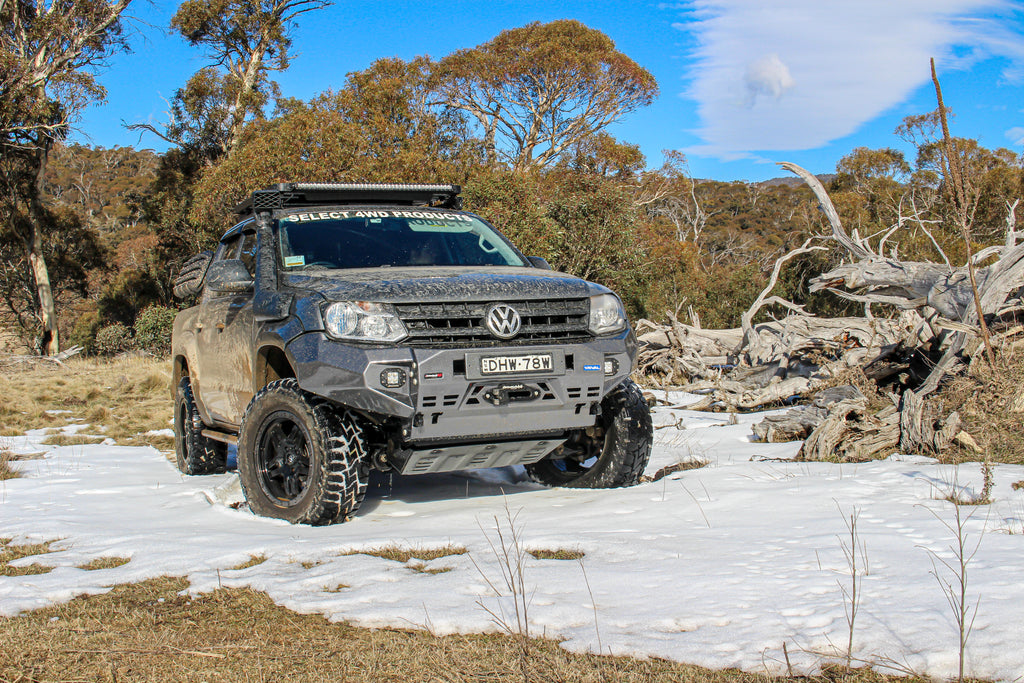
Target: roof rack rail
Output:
[(285, 195)]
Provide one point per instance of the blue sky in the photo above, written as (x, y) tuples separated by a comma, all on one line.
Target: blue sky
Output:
[(743, 83)]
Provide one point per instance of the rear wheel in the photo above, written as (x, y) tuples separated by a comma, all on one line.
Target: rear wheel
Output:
[(299, 458), (612, 453), (194, 453)]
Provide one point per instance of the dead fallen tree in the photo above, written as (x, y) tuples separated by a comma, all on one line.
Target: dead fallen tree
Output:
[(771, 363), (56, 359)]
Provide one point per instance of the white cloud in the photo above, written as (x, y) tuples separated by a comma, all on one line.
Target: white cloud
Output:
[(1016, 135), (797, 74), (768, 76)]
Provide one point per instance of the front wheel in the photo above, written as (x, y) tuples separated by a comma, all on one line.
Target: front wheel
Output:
[(612, 453), (299, 458)]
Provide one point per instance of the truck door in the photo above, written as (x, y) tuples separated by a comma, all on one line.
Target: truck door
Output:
[(225, 339)]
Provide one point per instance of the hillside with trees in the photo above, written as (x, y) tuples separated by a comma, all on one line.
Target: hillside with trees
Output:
[(92, 237)]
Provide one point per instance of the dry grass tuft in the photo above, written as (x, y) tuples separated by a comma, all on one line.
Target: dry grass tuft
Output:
[(337, 589), (10, 553), (399, 554), (121, 398), (104, 563), (1017, 485), (251, 562), (558, 554), (991, 403), (424, 569), (72, 440), (5, 466), (149, 631)]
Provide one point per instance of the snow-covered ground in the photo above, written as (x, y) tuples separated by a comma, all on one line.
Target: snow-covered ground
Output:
[(718, 566)]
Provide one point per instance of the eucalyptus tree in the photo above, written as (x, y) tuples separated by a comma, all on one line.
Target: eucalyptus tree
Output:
[(244, 41), (49, 53), (538, 90)]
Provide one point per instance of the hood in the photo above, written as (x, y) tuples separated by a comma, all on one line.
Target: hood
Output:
[(440, 284)]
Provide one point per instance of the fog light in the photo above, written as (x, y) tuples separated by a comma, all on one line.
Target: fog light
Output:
[(611, 366), (392, 378)]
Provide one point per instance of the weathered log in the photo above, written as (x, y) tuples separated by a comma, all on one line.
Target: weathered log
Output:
[(765, 364), (56, 359)]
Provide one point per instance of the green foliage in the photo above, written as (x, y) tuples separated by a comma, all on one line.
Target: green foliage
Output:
[(516, 203), (127, 293), (377, 129), (246, 39), (153, 329), (540, 89), (71, 250), (102, 185), (113, 339), (84, 330), (584, 224)]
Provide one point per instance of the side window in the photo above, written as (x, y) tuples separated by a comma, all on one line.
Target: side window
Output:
[(247, 252), (228, 249)]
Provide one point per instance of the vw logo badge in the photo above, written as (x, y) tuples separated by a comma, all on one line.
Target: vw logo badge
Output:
[(503, 321)]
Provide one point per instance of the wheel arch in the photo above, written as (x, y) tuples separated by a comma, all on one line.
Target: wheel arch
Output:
[(179, 369), (272, 363)]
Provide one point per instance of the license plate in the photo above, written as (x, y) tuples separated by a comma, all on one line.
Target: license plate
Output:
[(511, 365)]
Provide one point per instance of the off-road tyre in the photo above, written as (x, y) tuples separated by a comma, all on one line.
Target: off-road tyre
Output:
[(193, 452), (300, 458), (614, 455), (190, 277)]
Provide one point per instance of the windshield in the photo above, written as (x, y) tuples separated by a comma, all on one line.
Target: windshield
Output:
[(370, 238)]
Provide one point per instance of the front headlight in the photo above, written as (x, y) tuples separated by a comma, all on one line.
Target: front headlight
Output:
[(363, 321), (606, 314)]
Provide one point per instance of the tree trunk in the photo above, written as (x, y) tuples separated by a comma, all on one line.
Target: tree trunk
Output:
[(49, 343)]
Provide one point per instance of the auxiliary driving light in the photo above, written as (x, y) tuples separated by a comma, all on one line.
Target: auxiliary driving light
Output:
[(392, 378), (611, 366)]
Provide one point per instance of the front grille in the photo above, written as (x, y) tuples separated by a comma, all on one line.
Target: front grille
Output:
[(544, 321)]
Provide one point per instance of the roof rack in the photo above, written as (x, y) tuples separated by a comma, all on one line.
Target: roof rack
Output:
[(285, 195)]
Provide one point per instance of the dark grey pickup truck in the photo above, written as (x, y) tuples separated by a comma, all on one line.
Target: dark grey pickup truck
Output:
[(342, 328)]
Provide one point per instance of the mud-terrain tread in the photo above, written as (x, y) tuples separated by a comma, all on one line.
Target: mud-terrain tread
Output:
[(206, 455), (190, 278), (627, 449), (335, 495)]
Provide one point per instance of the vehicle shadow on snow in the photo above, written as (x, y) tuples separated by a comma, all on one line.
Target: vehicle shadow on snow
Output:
[(429, 488)]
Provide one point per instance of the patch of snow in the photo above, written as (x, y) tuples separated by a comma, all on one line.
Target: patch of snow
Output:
[(718, 566)]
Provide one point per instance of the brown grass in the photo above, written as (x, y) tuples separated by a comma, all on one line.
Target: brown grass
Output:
[(251, 562), (104, 563), (558, 554), (5, 466), (149, 632), (122, 399), (72, 440), (10, 553), (400, 554), (991, 403)]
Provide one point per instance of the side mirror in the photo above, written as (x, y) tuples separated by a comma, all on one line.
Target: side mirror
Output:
[(229, 276), (538, 262)]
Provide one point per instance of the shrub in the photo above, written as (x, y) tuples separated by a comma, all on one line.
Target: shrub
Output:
[(83, 333), (153, 329), (114, 339)]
